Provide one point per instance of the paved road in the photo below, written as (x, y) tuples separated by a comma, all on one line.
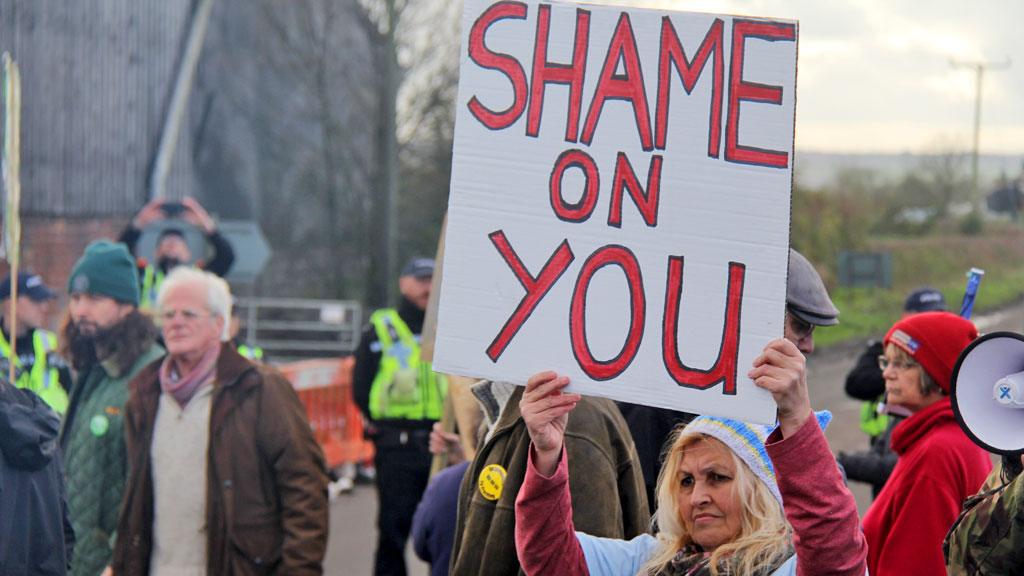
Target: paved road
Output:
[(353, 516)]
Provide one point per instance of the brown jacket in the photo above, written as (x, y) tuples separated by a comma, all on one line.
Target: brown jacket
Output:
[(266, 489), (607, 486)]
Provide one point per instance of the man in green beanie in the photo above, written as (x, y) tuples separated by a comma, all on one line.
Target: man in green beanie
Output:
[(107, 341)]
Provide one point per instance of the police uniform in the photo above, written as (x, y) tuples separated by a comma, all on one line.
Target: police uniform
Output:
[(38, 367), (402, 397)]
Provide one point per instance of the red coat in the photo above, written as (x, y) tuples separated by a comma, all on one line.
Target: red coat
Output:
[(938, 468)]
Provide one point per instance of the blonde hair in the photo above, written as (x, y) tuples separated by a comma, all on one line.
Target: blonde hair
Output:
[(765, 536), (926, 384)]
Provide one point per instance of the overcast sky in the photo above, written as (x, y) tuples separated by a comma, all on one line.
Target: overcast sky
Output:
[(875, 75)]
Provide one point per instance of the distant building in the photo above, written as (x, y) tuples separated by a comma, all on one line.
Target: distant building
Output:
[(96, 79)]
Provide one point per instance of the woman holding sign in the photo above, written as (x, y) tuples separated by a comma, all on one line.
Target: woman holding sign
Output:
[(730, 500)]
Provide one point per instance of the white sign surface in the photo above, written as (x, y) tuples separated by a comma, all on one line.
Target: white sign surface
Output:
[(620, 202)]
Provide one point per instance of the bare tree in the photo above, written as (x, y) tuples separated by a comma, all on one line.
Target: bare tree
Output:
[(333, 100)]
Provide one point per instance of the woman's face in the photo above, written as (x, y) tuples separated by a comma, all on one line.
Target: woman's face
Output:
[(709, 506), (903, 383)]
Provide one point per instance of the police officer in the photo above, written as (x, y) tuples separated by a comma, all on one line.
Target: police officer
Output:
[(401, 397), (38, 365)]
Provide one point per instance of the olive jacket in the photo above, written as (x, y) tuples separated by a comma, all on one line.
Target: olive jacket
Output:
[(606, 483)]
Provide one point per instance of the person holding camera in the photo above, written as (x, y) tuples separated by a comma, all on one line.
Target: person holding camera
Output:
[(172, 249)]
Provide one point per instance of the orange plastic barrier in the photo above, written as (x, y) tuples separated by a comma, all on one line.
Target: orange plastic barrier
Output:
[(325, 388)]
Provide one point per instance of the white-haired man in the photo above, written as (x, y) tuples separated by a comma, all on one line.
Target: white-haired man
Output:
[(255, 500)]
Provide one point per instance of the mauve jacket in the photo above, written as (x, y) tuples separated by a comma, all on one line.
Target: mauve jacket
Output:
[(266, 489)]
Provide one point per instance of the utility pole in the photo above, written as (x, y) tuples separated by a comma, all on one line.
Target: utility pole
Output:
[(979, 72)]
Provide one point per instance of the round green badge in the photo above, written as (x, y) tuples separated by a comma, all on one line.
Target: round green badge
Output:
[(99, 425)]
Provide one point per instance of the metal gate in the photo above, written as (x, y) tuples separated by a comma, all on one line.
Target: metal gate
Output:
[(290, 329)]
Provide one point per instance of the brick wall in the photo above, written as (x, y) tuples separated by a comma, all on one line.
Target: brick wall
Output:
[(50, 247)]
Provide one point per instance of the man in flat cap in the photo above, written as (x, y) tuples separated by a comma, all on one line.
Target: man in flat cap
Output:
[(401, 397), (807, 303), (37, 364)]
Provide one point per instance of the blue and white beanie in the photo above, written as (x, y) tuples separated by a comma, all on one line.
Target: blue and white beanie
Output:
[(747, 441)]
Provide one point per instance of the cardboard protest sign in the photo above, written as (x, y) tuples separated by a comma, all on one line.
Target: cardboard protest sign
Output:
[(620, 201)]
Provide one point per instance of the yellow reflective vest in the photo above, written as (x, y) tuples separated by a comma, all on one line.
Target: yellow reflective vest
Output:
[(152, 278), (405, 386), (872, 422), (251, 352), (42, 379)]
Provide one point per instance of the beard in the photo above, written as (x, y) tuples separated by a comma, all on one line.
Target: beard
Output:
[(88, 343)]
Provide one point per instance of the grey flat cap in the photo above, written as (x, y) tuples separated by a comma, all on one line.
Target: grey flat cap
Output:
[(806, 297)]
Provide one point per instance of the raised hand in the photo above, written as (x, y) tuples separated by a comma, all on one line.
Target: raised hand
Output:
[(781, 370), (151, 212), (196, 214), (545, 410)]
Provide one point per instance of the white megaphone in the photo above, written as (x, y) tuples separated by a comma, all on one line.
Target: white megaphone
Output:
[(987, 392)]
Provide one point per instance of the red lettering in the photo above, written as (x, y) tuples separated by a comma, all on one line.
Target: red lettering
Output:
[(628, 86), (672, 54), (507, 65), (752, 92), (625, 178), (607, 369), (724, 368), (545, 72), (581, 210), (536, 287)]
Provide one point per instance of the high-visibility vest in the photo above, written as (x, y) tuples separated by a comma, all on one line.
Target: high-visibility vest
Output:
[(251, 352), (872, 422), (43, 379), (152, 278), (405, 386)]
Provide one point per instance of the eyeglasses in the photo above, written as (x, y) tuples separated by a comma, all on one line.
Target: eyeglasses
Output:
[(188, 316), (884, 363), (799, 327)]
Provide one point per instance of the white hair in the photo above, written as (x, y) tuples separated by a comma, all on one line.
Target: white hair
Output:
[(218, 293)]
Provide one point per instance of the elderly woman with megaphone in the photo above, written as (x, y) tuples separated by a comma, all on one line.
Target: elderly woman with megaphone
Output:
[(732, 499), (938, 465)]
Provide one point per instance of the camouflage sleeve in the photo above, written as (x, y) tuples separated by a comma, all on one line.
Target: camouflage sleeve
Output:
[(988, 538)]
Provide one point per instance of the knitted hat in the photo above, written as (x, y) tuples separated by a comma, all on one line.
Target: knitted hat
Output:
[(747, 441), (106, 269), (934, 340)]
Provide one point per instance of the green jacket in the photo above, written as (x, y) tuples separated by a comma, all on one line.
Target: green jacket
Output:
[(988, 538), (94, 459)]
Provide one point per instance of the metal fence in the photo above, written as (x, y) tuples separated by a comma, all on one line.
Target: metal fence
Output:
[(289, 329)]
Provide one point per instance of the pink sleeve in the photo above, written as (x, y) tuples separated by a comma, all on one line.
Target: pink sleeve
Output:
[(822, 511), (545, 538)]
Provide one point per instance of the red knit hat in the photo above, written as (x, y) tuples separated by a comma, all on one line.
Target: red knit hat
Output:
[(934, 340)]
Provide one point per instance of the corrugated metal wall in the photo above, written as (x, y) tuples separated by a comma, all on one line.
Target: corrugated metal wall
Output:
[(96, 77)]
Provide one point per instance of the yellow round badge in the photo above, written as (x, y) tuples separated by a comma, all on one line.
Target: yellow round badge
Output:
[(492, 481)]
